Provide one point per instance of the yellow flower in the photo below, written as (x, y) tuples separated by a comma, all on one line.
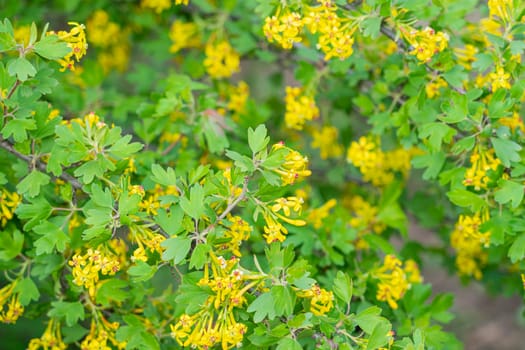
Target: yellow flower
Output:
[(432, 87), (14, 309), (183, 35), (300, 108), (9, 201), (326, 141), (22, 34), (76, 40), (316, 216), (482, 161), (101, 31), (394, 280), (285, 29), (468, 242), (513, 123), (50, 340), (501, 8), (321, 300), (157, 5), (294, 166), (221, 60), (425, 43), (500, 79), (238, 96)]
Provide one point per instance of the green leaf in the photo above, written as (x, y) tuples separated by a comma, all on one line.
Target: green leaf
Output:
[(141, 271), (437, 133), (52, 237), (72, 312), (379, 336), (7, 42), (112, 290), (36, 211), (506, 150), (455, 109), (21, 68), (18, 128), (517, 249), (194, 207), (52, 48), (199, 256), (171, 223), (284, 300), (369, 318), (464, 198), (163, 177), (28, 291), (30, 185), (10, 245), (510, 191), (343, 287), (371, 26), (263, 306), (288, 344), (257, 139), (176, 249), (242, 162)]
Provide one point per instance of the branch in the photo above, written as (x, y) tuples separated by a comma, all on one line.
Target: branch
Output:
[(229, 208), (41, 166), (389, 32)]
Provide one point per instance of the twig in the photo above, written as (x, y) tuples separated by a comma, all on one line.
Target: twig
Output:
[(41, 166), (390, 34), (229, 208)]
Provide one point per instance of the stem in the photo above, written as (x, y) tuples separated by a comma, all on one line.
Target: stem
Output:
[(229, 208), (38, 164)]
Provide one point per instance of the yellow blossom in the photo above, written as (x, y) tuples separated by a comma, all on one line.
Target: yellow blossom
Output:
[(425, 43), (513, 123), (221, 60), (432, 87), (76, 40), (9, 201), (326, 141), (394, 280), (157, 5), (321, 300), (468, 242), (482, 161), (294, 166), (300, 108), (285, 28), (316, 216), (50, 340), (183, 35), (500, 79)]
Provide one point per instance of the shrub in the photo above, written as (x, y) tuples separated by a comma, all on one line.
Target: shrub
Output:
[(219, 173)]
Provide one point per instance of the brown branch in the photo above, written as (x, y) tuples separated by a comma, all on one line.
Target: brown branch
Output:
[(229, 208), (389, 32), (40, 165)]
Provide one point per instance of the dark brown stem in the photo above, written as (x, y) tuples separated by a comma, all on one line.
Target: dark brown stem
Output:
[(38, 164)]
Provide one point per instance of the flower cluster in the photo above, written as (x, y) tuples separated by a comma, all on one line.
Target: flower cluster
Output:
[(482, 162), (50, 340), (274, 231), (237, 232), (514, 123), (425, 43), (326, 141), (501, 8), (321, 300), (395, 280), (294, 166), (378, 167), (100, 333), (221, 60), (499, 79), (364, 219), (300, 108), (183, 35), (9, 201), (215, 324), (76, 40), (432, 87), (151, 201), (146, 239), (317, 215), (88, 267), (108, 36), (469, 242), (335, 32), (283, 28), (238, 95), (10, 307)]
